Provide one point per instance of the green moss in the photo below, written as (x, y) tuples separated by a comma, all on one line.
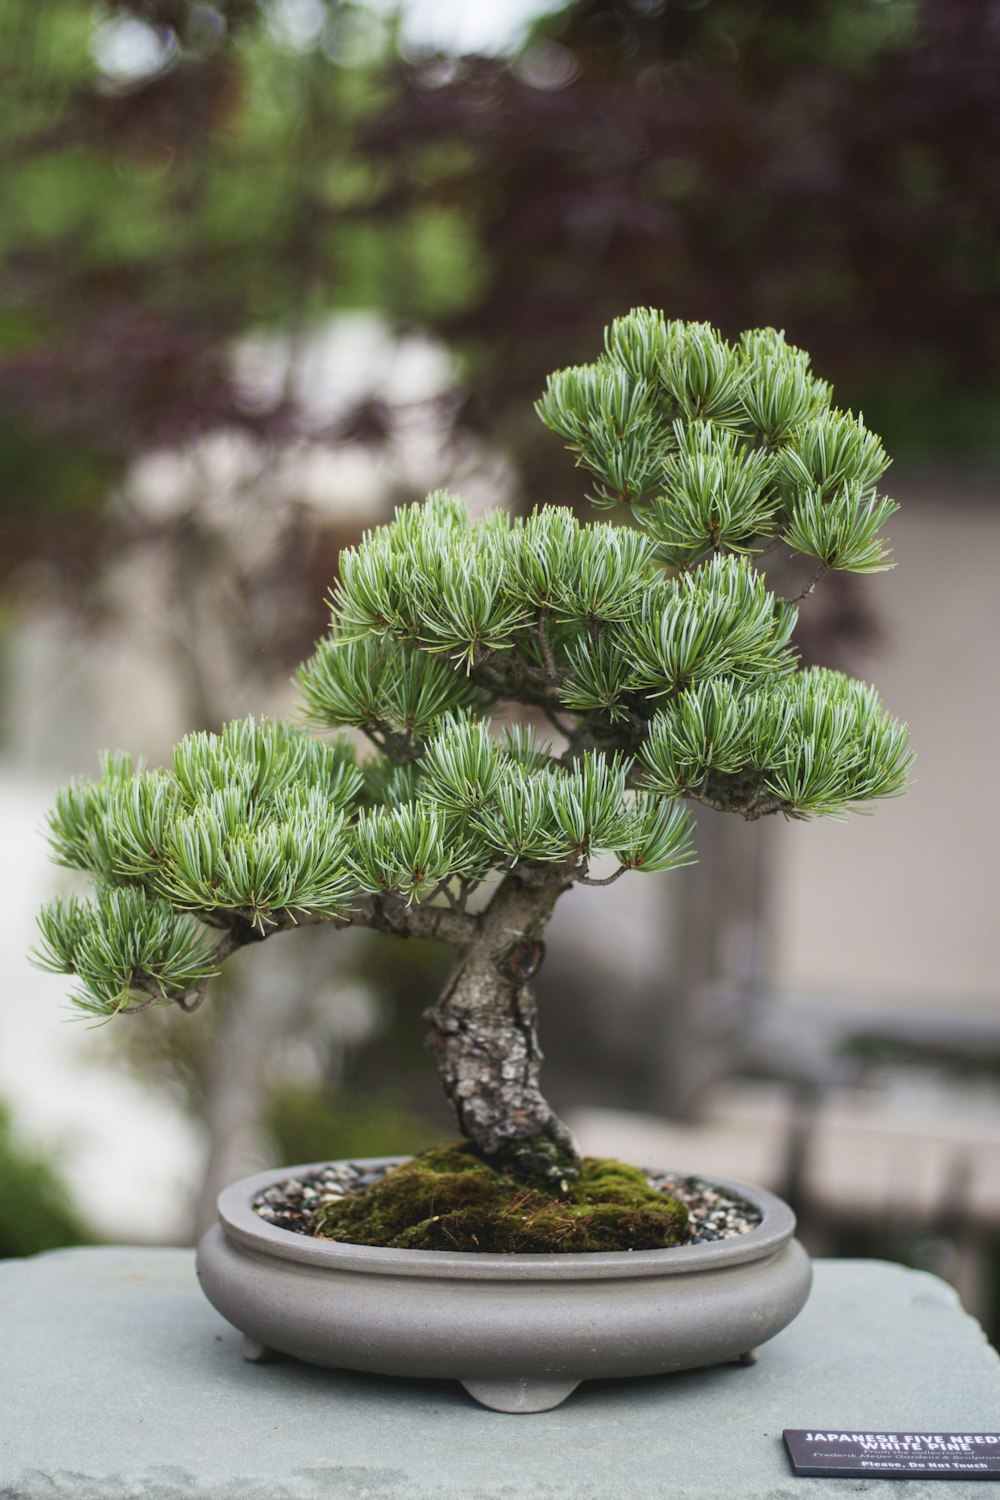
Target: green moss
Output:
[(448, 1198), (545, 1163)]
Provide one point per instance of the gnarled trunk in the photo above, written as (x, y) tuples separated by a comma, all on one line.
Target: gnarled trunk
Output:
[(484, 1034)]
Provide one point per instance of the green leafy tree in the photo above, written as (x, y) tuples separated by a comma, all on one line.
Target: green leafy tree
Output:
[(653, 648)]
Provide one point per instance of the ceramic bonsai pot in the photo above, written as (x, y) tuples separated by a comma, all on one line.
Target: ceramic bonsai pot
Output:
[(519, 1331)]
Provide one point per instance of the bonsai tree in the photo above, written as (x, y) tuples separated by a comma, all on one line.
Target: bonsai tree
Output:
[(648, 643)]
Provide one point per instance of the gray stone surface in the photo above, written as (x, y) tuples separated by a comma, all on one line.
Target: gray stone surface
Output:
[(119, 1381)]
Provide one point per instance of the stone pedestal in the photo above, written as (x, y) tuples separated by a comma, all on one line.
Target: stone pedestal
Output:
[(120, 1382)]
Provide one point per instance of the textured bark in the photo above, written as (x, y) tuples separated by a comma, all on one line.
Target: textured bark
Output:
[(484, 1034)]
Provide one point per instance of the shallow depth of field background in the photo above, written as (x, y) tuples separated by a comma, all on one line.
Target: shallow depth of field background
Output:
[(268, 270)]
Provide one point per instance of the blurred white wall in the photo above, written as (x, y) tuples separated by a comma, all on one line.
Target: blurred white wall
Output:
[(901, 906)]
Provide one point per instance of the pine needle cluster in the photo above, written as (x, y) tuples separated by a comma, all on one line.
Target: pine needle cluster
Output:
[(715, 445), (653, 651)]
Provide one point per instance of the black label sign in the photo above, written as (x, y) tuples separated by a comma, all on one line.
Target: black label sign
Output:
[(894, 1455)]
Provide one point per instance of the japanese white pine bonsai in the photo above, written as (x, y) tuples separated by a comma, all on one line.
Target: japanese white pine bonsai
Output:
[(650, 645)]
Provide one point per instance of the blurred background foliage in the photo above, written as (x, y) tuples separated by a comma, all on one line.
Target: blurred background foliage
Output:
[(828, 167), (179, 174), (36, 1211), (190, 189)]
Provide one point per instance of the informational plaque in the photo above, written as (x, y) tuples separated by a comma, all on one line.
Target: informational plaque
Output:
[(894, 1455)]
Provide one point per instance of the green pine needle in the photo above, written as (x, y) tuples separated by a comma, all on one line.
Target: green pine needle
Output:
[(124, 948)]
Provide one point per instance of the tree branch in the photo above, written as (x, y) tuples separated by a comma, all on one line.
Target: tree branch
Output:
[(593, 732), (541, 877), (814, 580), (390, 913), (748, 805), (766, 551), (511, 677), (384, 913), (403, 749), (607, 879), (545, 646)]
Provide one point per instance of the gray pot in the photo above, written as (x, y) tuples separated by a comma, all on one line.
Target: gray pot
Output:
[(519, 1331)]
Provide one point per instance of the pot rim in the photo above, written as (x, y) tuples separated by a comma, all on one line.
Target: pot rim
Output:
[(242, 1225)]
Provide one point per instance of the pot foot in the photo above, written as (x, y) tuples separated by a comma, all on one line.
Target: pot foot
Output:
[(747, 1358), (520, 1395), (257, 1354)]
